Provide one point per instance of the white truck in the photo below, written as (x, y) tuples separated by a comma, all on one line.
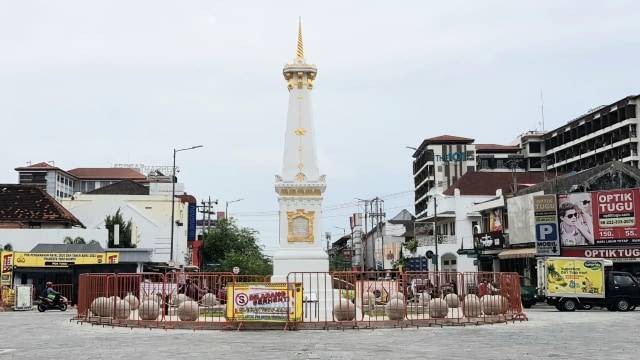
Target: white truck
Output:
[(570, 283)]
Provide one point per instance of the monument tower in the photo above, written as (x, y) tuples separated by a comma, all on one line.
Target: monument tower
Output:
[(300, 187)]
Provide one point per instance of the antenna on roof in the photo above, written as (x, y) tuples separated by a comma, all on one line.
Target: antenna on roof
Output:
[(542, 109), (29, 163), (52, 162)]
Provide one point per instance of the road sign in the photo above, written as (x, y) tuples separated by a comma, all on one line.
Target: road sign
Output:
[(429, 254), (236, 270)]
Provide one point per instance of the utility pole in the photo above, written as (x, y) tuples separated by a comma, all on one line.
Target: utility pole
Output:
[(363, 240), (377, 208), (206, 214)]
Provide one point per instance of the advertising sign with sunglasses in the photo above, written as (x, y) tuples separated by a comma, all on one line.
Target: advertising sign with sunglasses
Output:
[(546, 225), (599, 218)]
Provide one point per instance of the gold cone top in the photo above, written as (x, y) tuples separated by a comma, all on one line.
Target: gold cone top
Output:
[(300, 49)]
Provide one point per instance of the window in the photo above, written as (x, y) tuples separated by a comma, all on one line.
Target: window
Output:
[(535, 163), (623, 280), (499, 164), (452, 228), (534, 147), (484, 164), (474, 229)]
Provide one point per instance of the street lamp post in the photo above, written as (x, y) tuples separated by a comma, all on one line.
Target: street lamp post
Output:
[(435, 229), (173, 192), (226, 207)]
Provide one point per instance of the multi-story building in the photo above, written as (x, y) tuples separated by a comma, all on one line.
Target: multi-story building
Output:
[(604, 134), (438, 163), (62, 184), (48, 177)]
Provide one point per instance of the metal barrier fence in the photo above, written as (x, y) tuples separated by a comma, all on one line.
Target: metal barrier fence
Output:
[(322, 299)]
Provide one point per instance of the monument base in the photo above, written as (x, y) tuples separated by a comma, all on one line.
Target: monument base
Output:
[(287, 261), (309, 267)]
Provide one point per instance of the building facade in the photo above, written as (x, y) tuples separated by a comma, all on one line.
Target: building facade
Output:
[(150, 214), (62, 184), (606, 133)]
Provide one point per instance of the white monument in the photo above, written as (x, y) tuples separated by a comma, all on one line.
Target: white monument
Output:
[(300, 186)]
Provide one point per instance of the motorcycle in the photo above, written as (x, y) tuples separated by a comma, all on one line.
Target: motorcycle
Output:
[(59, 303)]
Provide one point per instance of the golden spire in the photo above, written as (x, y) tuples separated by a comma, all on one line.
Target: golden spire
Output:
[(300, 49)]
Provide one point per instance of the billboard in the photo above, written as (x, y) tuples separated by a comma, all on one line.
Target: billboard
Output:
[(264, 302), (488, 241), (6, 268), (191, 225), (546, 225), (599, 218), (495, 219), (575, 277), (26, 259), (522, 224)]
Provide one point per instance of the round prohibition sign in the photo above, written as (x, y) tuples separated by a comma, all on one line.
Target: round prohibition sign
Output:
[(242, 299)]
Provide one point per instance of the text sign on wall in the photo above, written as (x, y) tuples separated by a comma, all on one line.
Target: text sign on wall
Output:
[(191, 226), (546, 225)]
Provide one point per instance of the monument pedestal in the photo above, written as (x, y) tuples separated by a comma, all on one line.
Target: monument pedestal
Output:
[(287, 261)]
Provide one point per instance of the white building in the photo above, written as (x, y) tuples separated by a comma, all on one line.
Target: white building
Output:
[(452, 212), (149, 210), (384, 242)]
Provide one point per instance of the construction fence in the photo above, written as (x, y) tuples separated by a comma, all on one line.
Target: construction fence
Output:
[(302, 300)]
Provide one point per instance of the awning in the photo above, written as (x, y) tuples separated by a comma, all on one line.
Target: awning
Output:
[(517, 253)]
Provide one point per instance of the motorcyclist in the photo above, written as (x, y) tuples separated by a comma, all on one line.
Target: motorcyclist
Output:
[(50, 293)]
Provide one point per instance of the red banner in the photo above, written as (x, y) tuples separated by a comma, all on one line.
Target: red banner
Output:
[(615, 254), (615, 215), (599, 218)]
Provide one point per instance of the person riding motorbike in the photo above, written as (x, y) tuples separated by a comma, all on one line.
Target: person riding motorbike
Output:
[(50, 293)]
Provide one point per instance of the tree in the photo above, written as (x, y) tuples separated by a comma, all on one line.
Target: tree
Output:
[(78, 240), (8, 247), (125, 230), (228, 245), (93, 242), (338, 262)]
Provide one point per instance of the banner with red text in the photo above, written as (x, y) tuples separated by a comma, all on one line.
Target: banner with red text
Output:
[(273, 302), (599, 218)]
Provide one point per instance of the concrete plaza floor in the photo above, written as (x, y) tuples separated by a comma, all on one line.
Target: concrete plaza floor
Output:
[(592, 334)]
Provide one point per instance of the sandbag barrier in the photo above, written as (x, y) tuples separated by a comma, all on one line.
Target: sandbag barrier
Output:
[(314, 300)]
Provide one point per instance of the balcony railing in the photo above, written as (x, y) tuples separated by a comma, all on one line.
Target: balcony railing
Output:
[(429, 240)]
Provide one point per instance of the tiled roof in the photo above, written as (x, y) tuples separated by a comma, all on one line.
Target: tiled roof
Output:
[(107, 174), (67, 248), (124, 187), (486, 183), (38, 166), (25, 204), (496, 148), (448, 139)]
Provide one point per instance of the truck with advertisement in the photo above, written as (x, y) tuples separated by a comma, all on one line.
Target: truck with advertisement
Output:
[(582, 283)]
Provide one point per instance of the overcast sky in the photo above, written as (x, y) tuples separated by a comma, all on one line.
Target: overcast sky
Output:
[(93, 83)]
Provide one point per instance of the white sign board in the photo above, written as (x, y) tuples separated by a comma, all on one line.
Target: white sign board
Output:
[(24, 297)]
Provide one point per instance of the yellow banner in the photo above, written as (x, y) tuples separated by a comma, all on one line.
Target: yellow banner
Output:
[(264, 302), (576, 277), (25, 259)]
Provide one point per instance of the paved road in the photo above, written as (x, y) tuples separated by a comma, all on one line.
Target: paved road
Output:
[(548, 334)]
